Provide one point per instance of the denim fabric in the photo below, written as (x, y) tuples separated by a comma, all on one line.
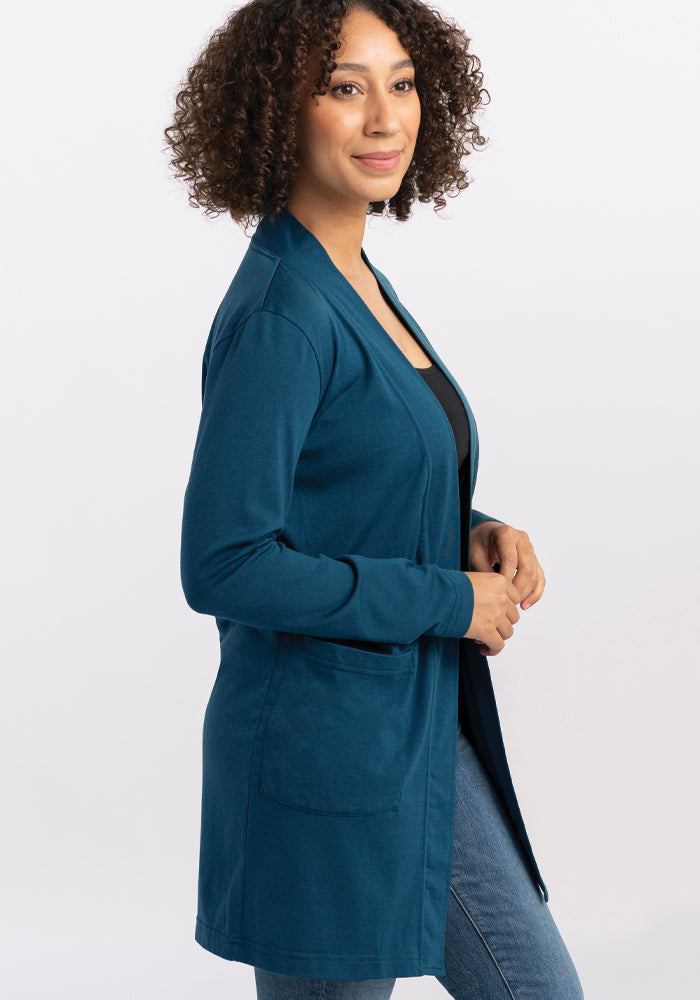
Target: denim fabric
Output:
[(501, 942)]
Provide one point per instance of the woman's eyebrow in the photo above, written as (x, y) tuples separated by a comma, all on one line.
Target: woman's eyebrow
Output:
[(359, 68)]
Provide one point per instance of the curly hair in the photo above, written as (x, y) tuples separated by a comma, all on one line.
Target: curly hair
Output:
[(233, 137)]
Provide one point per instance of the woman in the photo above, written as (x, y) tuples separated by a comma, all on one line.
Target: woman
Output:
[(358, 818)]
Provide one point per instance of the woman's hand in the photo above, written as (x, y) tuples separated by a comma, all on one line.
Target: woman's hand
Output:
[(495, 611), (493, 542)]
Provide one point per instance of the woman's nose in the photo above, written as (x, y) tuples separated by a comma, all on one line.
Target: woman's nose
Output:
[(381, 115)]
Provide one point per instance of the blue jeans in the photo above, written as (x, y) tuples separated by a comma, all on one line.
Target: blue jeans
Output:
[(501, 942)]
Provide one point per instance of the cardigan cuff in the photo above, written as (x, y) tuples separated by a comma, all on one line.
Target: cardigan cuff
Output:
[(464, 603), (478, 518)]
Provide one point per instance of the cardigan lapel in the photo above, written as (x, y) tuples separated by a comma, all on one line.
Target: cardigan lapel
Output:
[(303, 252), (430, 350)]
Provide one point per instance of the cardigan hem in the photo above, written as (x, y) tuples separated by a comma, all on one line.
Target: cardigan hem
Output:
[(310, 965)]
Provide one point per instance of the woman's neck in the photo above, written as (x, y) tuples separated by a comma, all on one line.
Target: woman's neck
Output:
[(340, 231)]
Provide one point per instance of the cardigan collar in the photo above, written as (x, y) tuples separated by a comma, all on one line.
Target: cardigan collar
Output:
[(290, 240), (301, 251)]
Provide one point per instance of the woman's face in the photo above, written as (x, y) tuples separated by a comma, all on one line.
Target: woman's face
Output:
[(371, 107)]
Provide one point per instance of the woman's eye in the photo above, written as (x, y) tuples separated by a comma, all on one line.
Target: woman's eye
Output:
[(409, 85), (339, 87)]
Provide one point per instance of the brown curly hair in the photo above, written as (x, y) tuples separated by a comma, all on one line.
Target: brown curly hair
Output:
[(234, 132)]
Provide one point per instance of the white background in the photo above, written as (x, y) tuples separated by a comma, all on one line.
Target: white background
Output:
[(559, 291)]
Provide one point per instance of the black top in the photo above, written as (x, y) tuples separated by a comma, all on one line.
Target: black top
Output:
[(452, 405)]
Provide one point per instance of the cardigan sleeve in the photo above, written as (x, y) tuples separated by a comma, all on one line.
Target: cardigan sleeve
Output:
[(261, 388), (479, 518)]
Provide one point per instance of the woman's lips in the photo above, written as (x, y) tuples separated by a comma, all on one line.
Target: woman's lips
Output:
[(379, 163)]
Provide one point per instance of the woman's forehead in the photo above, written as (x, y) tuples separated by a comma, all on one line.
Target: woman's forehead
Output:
[(367, 45)]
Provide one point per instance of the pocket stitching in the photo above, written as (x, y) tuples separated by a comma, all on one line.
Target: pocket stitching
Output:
[(410, 669), (308, 644), (355, 669)]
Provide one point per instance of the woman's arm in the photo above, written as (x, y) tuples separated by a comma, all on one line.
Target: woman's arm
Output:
[(261, 392)]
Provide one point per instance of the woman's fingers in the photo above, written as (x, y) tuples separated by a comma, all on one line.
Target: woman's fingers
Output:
[(529, 578), (512, 615), (535, 594), (495, 611), (505, 629), (518, 562), (513, 595)]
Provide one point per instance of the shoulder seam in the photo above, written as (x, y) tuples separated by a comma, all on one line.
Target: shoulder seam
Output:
[(272, 312), (259, 248)]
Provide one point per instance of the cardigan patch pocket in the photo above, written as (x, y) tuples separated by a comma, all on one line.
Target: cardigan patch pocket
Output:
[(334, 739)]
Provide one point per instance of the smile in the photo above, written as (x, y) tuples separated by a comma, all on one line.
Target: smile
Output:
[(379, 163)]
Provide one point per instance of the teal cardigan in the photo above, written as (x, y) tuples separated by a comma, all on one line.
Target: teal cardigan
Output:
[(323, 529)]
